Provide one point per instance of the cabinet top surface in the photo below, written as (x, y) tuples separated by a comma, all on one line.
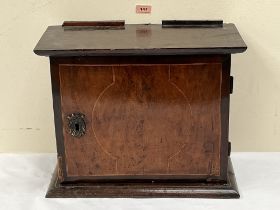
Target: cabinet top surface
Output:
[(139, 39)]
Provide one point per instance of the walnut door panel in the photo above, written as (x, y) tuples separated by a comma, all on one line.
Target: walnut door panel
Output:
[(142, 120)]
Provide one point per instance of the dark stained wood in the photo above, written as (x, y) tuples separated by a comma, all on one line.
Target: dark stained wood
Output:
[(121, 60), (58, 118), (192, 23), (118, 23), (80, 152), (231, 84), (224, 109), (145, 190), (159, 41)]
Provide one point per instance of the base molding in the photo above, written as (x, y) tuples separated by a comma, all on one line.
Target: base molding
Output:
[(145, 190)]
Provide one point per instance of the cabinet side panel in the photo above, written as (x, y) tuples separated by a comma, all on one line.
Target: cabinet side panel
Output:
[(225, 105)]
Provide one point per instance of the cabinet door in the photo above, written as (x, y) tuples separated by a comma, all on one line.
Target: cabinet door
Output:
[(141, 121)]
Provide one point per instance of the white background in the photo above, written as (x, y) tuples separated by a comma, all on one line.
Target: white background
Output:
[(25, 179)]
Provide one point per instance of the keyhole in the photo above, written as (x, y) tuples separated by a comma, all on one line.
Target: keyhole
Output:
[(77, 127)]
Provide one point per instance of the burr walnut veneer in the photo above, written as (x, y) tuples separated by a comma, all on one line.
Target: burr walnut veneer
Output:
[(141, 110)]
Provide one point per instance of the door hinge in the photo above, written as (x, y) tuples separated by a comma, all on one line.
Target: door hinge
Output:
[(229, 148), (231, 85)]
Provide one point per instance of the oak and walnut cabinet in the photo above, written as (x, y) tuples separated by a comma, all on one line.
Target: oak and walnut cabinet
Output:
[(142, 110)]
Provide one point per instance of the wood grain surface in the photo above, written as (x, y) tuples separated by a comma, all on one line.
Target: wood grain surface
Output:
[(146, 121), (155, 189), (140, 39)]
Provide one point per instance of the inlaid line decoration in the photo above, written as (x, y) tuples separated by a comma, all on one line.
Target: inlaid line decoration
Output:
[(93, 109), (191, 113)]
